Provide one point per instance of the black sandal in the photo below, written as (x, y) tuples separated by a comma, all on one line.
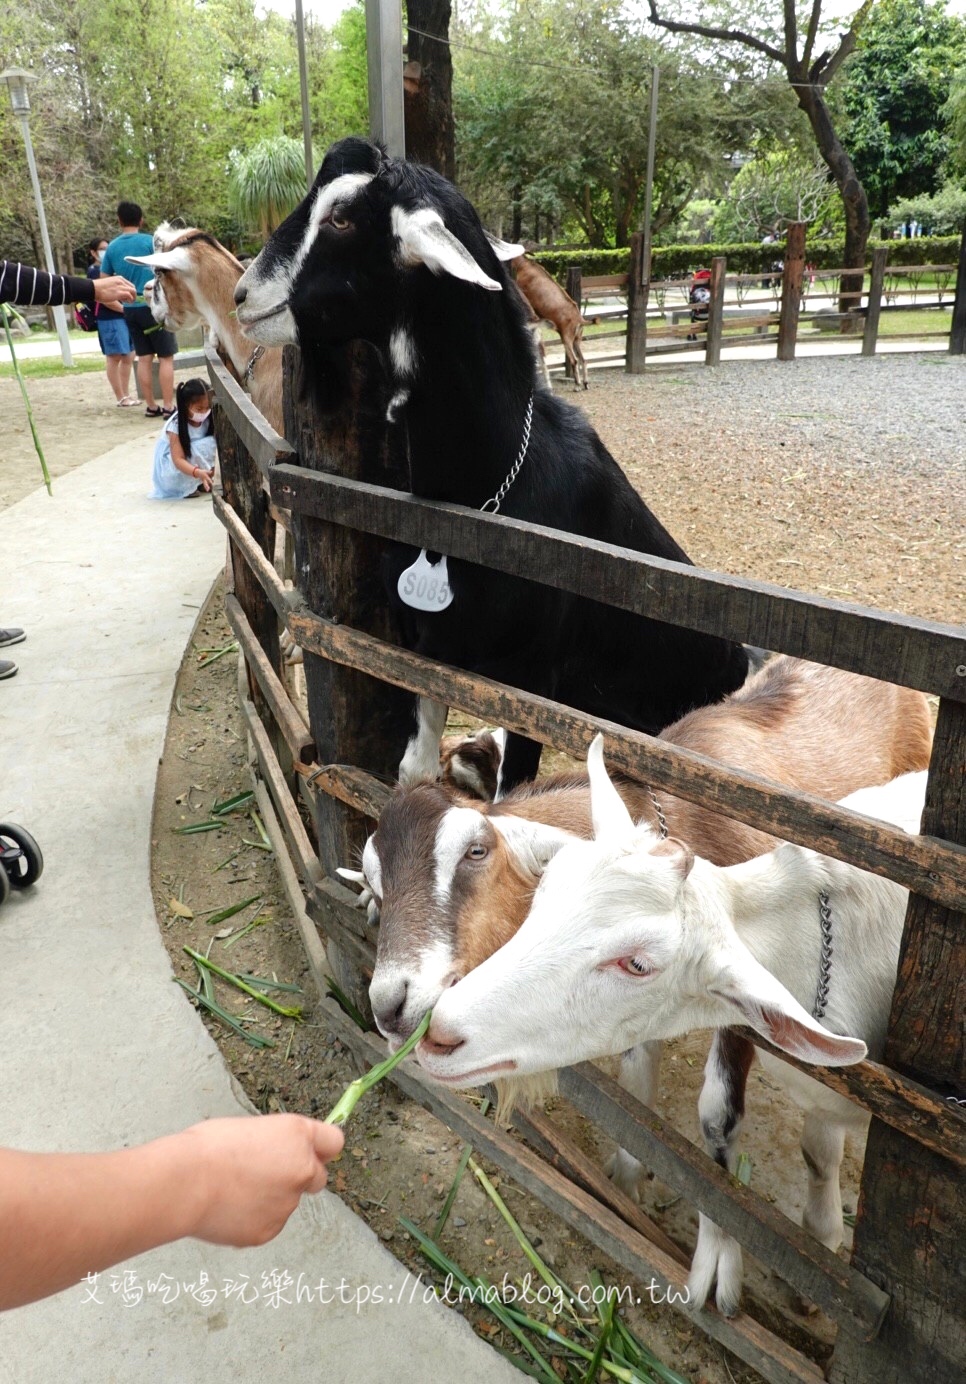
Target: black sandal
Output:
[(153, 412)]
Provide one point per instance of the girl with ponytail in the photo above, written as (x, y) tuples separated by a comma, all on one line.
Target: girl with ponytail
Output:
[(185, 453)]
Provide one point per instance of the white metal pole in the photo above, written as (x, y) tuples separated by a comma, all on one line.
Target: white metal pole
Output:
[(649, 183), (384, 49), (304, 85), (60, 318)]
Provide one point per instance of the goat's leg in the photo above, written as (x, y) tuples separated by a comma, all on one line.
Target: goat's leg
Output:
[(579, 353), (567, 337), (521, 760), (421, 760), (721, 1107), (823, 1144), (640, 1071)]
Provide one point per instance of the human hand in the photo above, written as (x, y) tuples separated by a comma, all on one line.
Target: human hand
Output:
[(205, 477), (113, 290), (251, 1173)]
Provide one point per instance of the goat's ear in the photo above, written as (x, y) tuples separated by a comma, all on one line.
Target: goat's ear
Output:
[(677, 852), (771, 1010), (164, 259), (424, 239), (503, 250), (533, 844), (607, 808)]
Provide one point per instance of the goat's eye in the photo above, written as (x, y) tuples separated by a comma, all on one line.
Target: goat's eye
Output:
[(339, 221), (634, 966), (477, 852)]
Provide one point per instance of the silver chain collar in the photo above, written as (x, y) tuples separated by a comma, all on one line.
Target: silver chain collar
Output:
[(661, 819), (825, 961), (257, 354), (492, 505)]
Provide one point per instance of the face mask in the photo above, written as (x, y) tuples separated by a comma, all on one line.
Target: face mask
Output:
[(100, 255), (197, 419)]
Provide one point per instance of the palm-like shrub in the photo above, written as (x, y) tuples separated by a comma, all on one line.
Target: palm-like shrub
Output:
[(268, 182)]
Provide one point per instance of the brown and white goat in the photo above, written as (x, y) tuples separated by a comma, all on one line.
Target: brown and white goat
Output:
[(453, 878), (552, 304), (194, 281)]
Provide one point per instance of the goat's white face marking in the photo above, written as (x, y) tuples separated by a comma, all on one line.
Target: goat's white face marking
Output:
[(402, 352), (458, 829), (265, 315), (398, 401), (415, 986)]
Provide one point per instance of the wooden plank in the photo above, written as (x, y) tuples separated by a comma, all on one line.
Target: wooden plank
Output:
[(261, 568), (301, 848), (846, 1295), (256, 434), (911, 1223), (957, 331), (931, 866), (296, 733), (874, 309), (712, 346), (904, 1104), (637, 291), (603, 281), (354, 787), (774, 1359), (568, 1158), (792, 275), (354, 950), (903, 649)]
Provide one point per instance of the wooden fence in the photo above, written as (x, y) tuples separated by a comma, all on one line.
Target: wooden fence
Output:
[(324, 774), (771, 306)]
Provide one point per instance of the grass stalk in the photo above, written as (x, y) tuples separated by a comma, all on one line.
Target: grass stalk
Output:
[(255, 1039), (283, 1010), (5, 313), (467, 1153), (354, 1092)]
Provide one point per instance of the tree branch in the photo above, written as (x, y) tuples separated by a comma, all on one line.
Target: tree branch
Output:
[(791, 31), (708, 31), (827, 64), (812, 30)]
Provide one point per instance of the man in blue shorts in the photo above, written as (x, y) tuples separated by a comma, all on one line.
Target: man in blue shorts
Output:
[(147, 338)]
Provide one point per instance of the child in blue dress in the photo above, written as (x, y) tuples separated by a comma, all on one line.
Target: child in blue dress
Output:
[(185, 453)]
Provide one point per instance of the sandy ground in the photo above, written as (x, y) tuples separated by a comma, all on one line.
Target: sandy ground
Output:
[(779, 487)]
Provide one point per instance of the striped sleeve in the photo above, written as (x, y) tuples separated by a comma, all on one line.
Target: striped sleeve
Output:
[(30, 287)]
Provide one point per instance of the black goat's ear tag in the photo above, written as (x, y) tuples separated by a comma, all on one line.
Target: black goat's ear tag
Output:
[(425, 585)]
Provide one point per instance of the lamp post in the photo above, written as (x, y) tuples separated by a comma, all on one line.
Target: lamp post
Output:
[(16, 79)]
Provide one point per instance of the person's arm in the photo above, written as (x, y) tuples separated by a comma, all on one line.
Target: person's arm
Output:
[(28, 286), (184, 464), (229, 1181)]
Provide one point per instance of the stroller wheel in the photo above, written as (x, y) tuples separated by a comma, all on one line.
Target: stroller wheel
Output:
[(20, 856), (4, 886)]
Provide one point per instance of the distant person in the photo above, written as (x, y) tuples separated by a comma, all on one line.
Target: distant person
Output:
[(147, 337), (186, 452), (112, 333), (28, 287)]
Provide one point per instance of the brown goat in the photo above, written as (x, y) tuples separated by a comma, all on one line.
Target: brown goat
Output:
[(195, 278), (551, 304)]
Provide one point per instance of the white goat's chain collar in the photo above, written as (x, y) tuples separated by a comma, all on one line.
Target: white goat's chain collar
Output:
[(257, 354), (825, 960), (659, 812), (492, 505)]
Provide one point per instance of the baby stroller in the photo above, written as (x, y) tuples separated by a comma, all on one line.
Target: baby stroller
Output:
[(700, 299), (21, 859)]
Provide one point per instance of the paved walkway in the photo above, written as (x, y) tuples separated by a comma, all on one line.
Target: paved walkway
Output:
[(98, 1048)]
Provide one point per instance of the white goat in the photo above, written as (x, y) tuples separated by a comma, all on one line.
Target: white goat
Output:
[(632, 939)]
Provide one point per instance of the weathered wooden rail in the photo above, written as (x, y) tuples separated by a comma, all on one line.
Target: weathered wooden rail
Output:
[(786, 305), (898, 1304)]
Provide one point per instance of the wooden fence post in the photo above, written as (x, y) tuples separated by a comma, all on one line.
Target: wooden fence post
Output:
[(876, 283), (354, 719), (712, 345), (638, 285), (793, 272), (957, 333), (575, 288), (912, 1205)]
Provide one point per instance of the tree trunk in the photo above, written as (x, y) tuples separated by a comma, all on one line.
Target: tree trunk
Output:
[(857, 222), (428, 87)]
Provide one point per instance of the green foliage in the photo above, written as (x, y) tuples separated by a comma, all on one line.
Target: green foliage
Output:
[(674, 261), (895, 91), (942, 215), (954, 113), (773, 189), (268, 182)]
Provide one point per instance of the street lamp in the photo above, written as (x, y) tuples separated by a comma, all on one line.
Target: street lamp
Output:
[(16, 79)]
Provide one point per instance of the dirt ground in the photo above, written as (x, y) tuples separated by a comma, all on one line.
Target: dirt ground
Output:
[(738, 497)]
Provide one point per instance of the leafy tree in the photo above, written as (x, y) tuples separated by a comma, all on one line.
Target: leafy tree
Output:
[(793, 38), (894, 92), (943, 213), (773, 189), (268, 182)]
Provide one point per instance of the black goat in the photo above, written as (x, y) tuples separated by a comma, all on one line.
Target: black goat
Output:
[(392, 253)]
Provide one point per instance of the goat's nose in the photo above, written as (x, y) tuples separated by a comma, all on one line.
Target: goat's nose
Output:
[(388, 1000), (241, 294)]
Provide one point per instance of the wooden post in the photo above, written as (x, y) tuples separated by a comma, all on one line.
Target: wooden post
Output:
[(575, 288), (354, 719), (638, 285), (876, 282), (712, 346), (911, 1224), (957, 334), (792, 274)]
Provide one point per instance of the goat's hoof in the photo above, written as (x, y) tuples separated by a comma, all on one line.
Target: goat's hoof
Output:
[(625, 1172)]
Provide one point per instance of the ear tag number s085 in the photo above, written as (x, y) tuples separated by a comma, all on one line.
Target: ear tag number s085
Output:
[(425, 585)]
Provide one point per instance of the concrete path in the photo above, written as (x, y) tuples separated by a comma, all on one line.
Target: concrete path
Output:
[(98, 1048)]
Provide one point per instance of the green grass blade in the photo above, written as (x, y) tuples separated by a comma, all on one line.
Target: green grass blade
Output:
[(264, 984), (467, 1154), (255, 1039), (220, 653), (194, 828), (224, 914), (239, 984), (346, 1005), (5, 313), (353, 1093), (232, 804), (592, 1373)]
